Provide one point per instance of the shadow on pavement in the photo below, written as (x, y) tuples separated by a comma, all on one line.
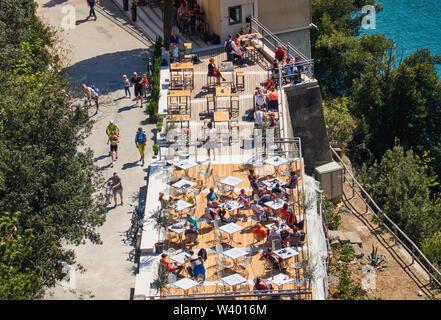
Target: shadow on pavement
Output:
[(101, 157), (53, 3), (129, 165), (106, 71), (133, 106)]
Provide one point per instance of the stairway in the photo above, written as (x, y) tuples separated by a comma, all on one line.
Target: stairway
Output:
[(149, 21)]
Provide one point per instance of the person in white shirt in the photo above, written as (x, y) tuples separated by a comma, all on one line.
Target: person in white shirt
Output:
[(260, 99), (211, 141), (259, 117)]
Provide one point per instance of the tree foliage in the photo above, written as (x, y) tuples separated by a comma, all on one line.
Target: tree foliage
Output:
[(42, 174), (339, 124), (399, 186)]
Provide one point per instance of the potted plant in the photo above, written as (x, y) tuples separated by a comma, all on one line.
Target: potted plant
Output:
[(162, 220), (161, 280), (156, 149), (152, 109), (133, 9), (126, 5)]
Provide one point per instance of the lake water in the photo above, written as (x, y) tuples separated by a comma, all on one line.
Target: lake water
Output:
[(413, 24)]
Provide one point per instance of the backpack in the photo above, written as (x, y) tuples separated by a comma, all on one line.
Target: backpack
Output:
[(228, 47), (94, 88), (143, 135)]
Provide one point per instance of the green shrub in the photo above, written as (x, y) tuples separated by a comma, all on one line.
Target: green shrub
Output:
[(347, 253), (349, 289)]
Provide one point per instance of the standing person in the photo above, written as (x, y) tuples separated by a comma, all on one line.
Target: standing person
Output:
[(259, 118), (144, 83), (112, 127), (211, 142), (91, 94), (140, 141), (91, 4), (116, 186), (260, 98), (273, 100), (173, 38), (126, 84), (136, 81), (113, 139), (279, 54), (230, 48)]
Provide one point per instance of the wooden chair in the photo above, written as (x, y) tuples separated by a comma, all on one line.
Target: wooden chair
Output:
[(211, 100), (240, 80)]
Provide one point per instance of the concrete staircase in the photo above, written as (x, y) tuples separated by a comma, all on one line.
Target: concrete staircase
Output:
[(149, 21)]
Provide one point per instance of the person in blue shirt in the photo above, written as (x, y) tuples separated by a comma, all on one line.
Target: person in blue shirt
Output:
[(140, 141), (244, 199), (292, 181), (174, 52), (212, 199), (192, 221)]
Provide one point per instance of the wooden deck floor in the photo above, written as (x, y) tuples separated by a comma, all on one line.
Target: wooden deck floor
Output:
[(243, 238)]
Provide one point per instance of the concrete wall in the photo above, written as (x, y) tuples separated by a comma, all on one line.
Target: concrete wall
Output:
[(212, 14), (299, 39), (280, 15), (248, 9), (308, 123)]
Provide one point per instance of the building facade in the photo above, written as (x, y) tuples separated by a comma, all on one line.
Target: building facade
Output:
[(290, 20)]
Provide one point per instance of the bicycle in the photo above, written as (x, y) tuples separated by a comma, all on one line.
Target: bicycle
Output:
[(137, 221)]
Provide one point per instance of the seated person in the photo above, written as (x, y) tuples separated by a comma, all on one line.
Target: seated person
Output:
[(257, 188), (272, 119), (289, 68), (277, 189), (275, 69), (197, 267), (174, 53), (237, 41), (260, 99), (190, 231), (171, 267), (268, 83), (266, 198), (284, 212), (272, 259), (259, 285), (279, 54), (292, 181), (164, 202), (212, 199), (260, 231), (192, 221), (192, 20), (274, 233), (174, 38), (214, 72), (213, 212), (243, 198), (258, 210), (259, 117)]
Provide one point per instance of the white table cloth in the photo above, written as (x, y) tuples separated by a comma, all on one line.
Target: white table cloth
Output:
[(185, 164), (276, 161), (275, 204), (231, 228), (234, 279), (235, 253), (231, 205), (231, 181), (180, 258), (184, 184), (286, 253), (282, 226), (181, 205), (185, 283), (271, 183), (178, 228), (280, 279)]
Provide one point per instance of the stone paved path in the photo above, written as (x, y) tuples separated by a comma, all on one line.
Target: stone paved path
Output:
[(100, 52)]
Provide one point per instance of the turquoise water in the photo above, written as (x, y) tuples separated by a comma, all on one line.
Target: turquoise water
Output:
[(413, 24)]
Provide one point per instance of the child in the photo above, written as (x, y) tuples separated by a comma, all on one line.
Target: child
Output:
[(113, 139), (126, 84)]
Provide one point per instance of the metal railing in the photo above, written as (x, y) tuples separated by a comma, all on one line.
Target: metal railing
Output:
[(384, 221), (303, 64)]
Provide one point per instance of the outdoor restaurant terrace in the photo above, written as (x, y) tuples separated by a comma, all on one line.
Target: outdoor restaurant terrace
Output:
[(190, 100)]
